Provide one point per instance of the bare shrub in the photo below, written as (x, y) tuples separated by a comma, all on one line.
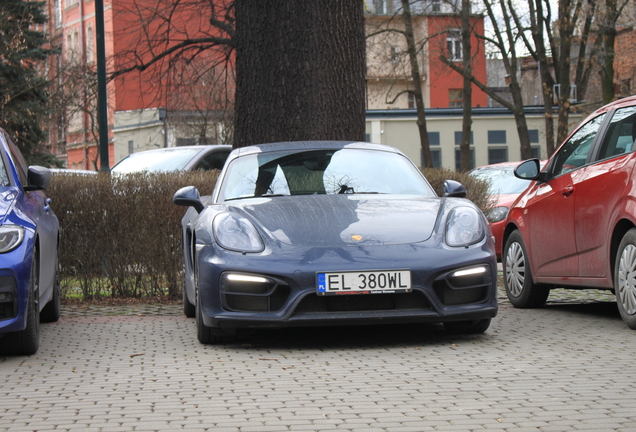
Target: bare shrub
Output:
[(476, 189), (121, 236)]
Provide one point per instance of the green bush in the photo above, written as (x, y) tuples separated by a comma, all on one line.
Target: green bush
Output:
[(121, 236)]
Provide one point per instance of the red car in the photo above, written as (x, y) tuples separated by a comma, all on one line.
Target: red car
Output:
[(506, 188), (575, 225)]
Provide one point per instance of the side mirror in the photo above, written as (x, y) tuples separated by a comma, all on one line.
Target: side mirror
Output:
[(455, 189), (38, 178), (528, 170), (188, 197)]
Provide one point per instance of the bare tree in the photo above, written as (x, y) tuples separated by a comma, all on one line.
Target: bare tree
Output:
[(504, 40), (396, 34), (417, 83), (468, 87)]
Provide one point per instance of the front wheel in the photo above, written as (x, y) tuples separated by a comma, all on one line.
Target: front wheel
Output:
[(189, 310), (27, 341), (52, 310), (625, 278), (522, 292)]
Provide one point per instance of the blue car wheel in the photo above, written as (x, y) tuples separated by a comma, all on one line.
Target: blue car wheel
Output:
[(27, 341)]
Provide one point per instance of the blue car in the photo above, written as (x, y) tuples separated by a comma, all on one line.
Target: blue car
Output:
[(29, 239), (333, 233)]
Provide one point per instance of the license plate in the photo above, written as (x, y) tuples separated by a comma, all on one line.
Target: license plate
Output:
[(364, 282)]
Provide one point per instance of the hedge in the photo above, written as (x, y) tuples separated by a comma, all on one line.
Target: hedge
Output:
[(121, 237)]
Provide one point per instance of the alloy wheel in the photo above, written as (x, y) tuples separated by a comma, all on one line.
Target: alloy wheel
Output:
[(515, 269), (627, 279)]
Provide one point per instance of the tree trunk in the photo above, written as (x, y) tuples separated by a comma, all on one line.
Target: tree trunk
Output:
[(547, 82), (563, 69), (608, 44), (409, 34), (300, 71), (468, 89)]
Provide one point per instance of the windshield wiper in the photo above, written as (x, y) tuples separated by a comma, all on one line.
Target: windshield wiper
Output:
[(255, 196)]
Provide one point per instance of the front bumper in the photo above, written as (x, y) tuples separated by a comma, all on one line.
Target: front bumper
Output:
[(291, 299), (15, 274)]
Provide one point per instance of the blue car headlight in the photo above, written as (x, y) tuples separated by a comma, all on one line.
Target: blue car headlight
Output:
[(497, 214), (236, 233), (11, 237), (464, 227)]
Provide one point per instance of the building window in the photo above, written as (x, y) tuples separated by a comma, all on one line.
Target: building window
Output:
[(69, 50), (90, 52), (131, 147), (458, 159), (497, 155), (454, 45), (70, 3), (394, 56), (536, 152), (458, 138), (58, 13), (456, 98), (433, 138), (383, 7), (496, 137), (534, 135), (436, 157), (436, 5), (412, 104)]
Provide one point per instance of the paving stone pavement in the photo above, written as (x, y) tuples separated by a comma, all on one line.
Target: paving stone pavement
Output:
[(566, 367)]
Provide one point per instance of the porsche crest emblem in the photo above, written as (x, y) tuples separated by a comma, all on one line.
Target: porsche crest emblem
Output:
[(356, 237)]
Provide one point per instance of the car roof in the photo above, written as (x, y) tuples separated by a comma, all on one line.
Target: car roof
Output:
[(310, 145), (193, 147)]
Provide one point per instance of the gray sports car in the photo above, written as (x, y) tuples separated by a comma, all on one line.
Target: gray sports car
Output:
[(333, 233)]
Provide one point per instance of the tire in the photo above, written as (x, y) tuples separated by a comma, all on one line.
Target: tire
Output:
[(522, 292), (51, 311), (467, 327), (27, 341), (625, 278), (189, 310)]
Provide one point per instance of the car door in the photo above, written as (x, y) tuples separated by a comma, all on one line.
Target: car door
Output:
[(551, 206), (599, 188)]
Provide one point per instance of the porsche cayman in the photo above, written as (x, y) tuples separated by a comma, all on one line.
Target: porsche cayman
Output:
[(333, 233)]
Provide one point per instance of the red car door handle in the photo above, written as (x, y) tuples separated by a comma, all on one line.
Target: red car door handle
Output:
[(567, 191)]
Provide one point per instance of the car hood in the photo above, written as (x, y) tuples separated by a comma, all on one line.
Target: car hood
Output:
[(7, 198), (506, 200), (345, 220)]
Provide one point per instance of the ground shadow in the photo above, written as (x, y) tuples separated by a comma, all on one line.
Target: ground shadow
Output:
[(348, 337)]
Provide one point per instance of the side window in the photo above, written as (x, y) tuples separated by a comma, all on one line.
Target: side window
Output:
[(214, 160), (574, 152), (620, 134)]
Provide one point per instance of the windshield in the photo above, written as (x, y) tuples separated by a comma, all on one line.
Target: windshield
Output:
[(156, 161), (294, 172), (502, 180)]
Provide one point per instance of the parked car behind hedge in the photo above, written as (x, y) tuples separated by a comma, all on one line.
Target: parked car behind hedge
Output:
[(185, 158)]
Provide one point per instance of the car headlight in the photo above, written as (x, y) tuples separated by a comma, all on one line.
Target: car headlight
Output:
[(236, 233), (10, 237), (497, 214), (464, 227)]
